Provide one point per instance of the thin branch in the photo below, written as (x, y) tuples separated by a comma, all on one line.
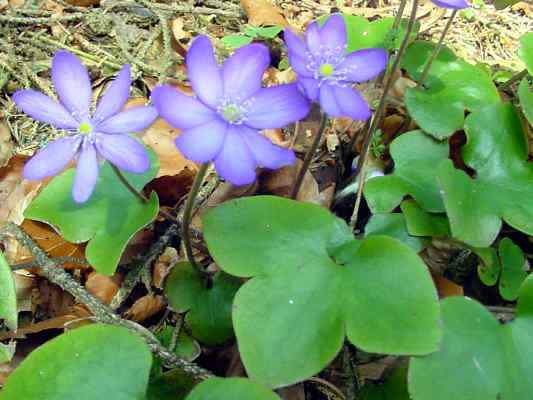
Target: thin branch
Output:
[(102, 312)]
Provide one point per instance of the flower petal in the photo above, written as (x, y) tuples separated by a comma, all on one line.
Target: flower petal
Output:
[(277, 106), (115, 96), (295, 43), (86, 174), (310, 87), (243, 71), (352, 104), (44, 109), (179, 110), (204, 72), (364, 65), (333, 33), (235, 162), (453, 4), (124, 152), (202, 143), (132, 120), (299, 65), (328, 102), (266, 153), (52, 159), (72, 83), (312, 38)]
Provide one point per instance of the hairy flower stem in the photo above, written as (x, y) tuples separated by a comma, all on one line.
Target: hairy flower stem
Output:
[(140, 195), (436, 50), (187, 216), (422, 80), (378, 117), (308, 157), (102, 313)]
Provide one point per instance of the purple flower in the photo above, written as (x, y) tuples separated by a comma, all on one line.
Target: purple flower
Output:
[(223, 121), (89, 138), (453, 4), (326, 73)]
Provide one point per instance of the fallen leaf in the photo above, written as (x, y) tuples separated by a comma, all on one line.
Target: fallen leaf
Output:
[(6, 144), (263, 12), (446, 288), (51, 300), (16, 193), (146, 307), (102, 286), (280, 181), (170, 189), (83, 3), (160, 137), (48, 239), (163, 265)]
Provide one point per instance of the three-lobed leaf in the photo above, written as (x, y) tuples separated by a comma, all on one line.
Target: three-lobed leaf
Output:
[(525, 95), (451, 87), (308, 271), (393, 225), (501, 190), (108, 220), (526, 51), (479, 358), (94, 362), (415, 156)]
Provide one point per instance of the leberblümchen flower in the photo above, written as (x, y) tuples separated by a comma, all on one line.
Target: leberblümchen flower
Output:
[(326, 74), (104, 134), (222, 122)]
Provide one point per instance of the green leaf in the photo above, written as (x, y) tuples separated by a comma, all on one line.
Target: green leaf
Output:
[(525, 95), (497, 151), (7, 351), (363, 34), (236, 41), (451, 87), (489, 269), (422, 223), (231, 389), (513, 272), (392, 225), (172, 385), (8, 295), (525, 52), (209, 309), (394, 388), (479, 359), (186, 347), (108, 220), (269, 32), (415, 156), (417, 54), (94, 362), (308, 272)]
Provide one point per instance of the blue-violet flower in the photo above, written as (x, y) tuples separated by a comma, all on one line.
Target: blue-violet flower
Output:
[(223, 121), (453, 4), (89, 138), (326, 73)]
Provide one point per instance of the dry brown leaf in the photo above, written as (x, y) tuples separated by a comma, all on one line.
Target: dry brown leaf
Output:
[(294, 392), (102, 286), (263, 12), (6, 144), (279, 182), (24, 284), (48, 239), (16, 193), (83, 3), (446, 288), (163, 265), (51, 300), (160, 137), (146, 307), (170, 189)]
